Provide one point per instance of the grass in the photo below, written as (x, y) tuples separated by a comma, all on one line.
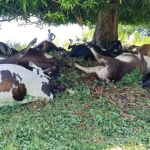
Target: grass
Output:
[(93, 117)]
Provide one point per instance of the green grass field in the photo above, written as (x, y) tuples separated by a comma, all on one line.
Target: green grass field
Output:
[(91, 117)]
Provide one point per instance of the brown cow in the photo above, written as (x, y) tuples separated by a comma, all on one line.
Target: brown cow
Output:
[(145, 49), (3, 57), (37, 57), (42, 60), (47, 46), (130, 49), (15, 58), (115, 68)]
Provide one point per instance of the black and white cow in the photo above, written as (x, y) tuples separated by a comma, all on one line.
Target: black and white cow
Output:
[(18, 83)]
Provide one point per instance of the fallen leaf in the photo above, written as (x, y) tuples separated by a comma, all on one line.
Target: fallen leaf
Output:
[(125, 115), (79, 114), (102, 139), (82, 124)]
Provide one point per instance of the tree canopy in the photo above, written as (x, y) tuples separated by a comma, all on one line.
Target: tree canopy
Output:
[(104, 14), (58, 12)]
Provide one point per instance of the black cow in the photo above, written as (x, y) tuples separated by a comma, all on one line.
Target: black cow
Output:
[(146, 80), (6, 50), (116, 48), (82, 51)]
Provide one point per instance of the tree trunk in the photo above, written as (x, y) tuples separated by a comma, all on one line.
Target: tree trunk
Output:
[(106, 29)]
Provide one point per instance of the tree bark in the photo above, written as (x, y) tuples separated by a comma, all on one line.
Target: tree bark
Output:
[(106, 29)]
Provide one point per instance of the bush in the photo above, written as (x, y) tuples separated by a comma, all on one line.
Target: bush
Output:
[(132, 79), (16, 46)]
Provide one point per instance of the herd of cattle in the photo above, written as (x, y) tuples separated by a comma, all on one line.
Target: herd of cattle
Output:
[(25, 76)]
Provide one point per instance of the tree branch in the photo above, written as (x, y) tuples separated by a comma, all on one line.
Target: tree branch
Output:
[(56, 2), (4, 20)]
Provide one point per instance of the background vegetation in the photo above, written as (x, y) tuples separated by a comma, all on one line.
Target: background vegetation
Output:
[(124, 31)]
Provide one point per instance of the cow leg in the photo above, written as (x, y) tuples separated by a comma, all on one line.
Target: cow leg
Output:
[(32, 43), (99, 58), (144, 66), (88, 69), (101, 71), (96, 55), (102, 59), (24, 52)]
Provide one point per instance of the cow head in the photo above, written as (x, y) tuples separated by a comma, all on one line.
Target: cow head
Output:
[(71, 41), (115, 46), (13, 51)]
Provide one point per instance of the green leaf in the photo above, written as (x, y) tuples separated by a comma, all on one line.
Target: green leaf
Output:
[(24, 5), (7, 1)]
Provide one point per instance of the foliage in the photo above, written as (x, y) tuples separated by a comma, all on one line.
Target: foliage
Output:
[(83, 12), (138, 41), (16, 46), (54, 17), (87, 34), (67, 11), (132, 79), (66, 44), (125, 31)]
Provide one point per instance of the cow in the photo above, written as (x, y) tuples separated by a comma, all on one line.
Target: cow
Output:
[(146, 80), (3, 57), (22, 85), (145, 49), (15, 58), (82, 50), (46, 46), (115, 48), (39, 58), (43, 61), (116, 68), (6, 50), (130, 49)]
